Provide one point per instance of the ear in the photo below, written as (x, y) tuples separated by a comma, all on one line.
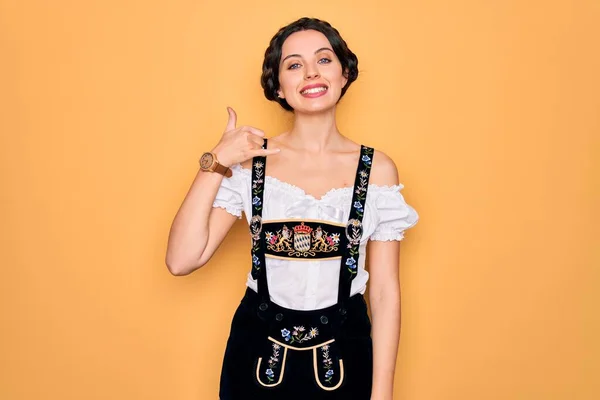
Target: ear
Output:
[(280, 94)]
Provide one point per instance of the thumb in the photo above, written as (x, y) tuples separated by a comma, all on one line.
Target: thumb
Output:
[(232, 119)]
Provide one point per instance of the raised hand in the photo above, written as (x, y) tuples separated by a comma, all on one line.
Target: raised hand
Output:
[(239, 144)]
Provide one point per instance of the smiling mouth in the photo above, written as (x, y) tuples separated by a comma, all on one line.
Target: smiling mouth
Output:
[(314, 90)]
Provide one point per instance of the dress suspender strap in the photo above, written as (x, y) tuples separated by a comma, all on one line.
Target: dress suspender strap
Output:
[(354, 227), (259, 269), (350, 241)]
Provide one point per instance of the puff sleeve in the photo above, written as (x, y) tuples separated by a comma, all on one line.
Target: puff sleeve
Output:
[(394, 214), (229, 195)]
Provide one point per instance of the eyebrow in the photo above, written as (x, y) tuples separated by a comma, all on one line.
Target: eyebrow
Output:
[(298, 55)]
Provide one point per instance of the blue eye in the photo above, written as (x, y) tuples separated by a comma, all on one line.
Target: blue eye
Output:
[(323, 60)]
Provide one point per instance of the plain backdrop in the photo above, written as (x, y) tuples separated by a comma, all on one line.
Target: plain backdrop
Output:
[(489, 109)]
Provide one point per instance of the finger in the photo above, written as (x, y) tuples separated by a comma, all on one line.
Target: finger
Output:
[(232, 121), (253, 130), (264, 153), (256, 140)]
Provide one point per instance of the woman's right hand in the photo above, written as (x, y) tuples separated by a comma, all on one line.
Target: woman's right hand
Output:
[(240, 144)]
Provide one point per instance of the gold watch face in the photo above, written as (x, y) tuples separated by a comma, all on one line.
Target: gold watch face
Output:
[(206, 160)]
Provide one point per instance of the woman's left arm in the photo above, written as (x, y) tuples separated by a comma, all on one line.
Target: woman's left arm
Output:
[(384, 298)]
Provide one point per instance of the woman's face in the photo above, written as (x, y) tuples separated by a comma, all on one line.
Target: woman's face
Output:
[(310, 74)]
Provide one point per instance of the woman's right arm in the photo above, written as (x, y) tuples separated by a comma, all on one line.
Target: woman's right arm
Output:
[(198, 229)]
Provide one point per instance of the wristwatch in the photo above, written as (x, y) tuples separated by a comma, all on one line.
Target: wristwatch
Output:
[(209, 163)]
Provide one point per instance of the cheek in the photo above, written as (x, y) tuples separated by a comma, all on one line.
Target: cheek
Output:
[(288, 81), (335, 75), (338, 81), (344, 81)]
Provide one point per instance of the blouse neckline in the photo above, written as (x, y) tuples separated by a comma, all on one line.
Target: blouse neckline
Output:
[(331, 192)]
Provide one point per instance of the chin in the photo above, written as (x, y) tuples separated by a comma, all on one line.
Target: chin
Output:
[(315, 108)]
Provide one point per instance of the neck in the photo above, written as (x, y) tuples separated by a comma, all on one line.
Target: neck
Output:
[(315, 132)]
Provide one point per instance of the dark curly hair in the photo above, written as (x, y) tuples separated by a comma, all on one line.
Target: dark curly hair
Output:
[(270, 69)]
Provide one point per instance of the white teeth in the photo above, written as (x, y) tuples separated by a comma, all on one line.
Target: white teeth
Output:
[(314, 90)]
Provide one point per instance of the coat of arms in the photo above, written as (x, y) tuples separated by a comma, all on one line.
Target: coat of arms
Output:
[(302, 237), (302, 241)]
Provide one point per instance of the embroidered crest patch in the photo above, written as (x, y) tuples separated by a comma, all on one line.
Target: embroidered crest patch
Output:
[(303, 239)]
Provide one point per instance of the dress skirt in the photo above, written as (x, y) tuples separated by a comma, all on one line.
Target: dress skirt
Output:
[(277, 353)]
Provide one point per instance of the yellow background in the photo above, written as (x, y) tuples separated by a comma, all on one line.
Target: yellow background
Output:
[(489, 108)]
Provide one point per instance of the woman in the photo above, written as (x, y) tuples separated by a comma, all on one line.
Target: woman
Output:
[(302, 329)]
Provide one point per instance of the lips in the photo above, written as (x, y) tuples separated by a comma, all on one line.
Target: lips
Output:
[(314, 89)]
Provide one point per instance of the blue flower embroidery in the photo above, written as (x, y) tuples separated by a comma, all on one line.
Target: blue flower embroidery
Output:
[(357, 205), (350, 261), (327, 364), (256, 201), (285, 334), (366, 159), (255, 260), (269, 373)]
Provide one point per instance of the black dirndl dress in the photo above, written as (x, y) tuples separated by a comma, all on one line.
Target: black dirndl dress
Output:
[(279, 353)]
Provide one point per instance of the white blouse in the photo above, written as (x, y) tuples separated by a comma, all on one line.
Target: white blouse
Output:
[(313, 284)]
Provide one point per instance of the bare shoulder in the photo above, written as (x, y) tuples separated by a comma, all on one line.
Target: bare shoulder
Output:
[(383, 170)]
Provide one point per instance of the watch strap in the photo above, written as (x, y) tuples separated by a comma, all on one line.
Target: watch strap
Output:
[(223, 170)]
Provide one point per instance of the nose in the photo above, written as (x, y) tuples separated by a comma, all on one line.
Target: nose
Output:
[(311, 73)]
